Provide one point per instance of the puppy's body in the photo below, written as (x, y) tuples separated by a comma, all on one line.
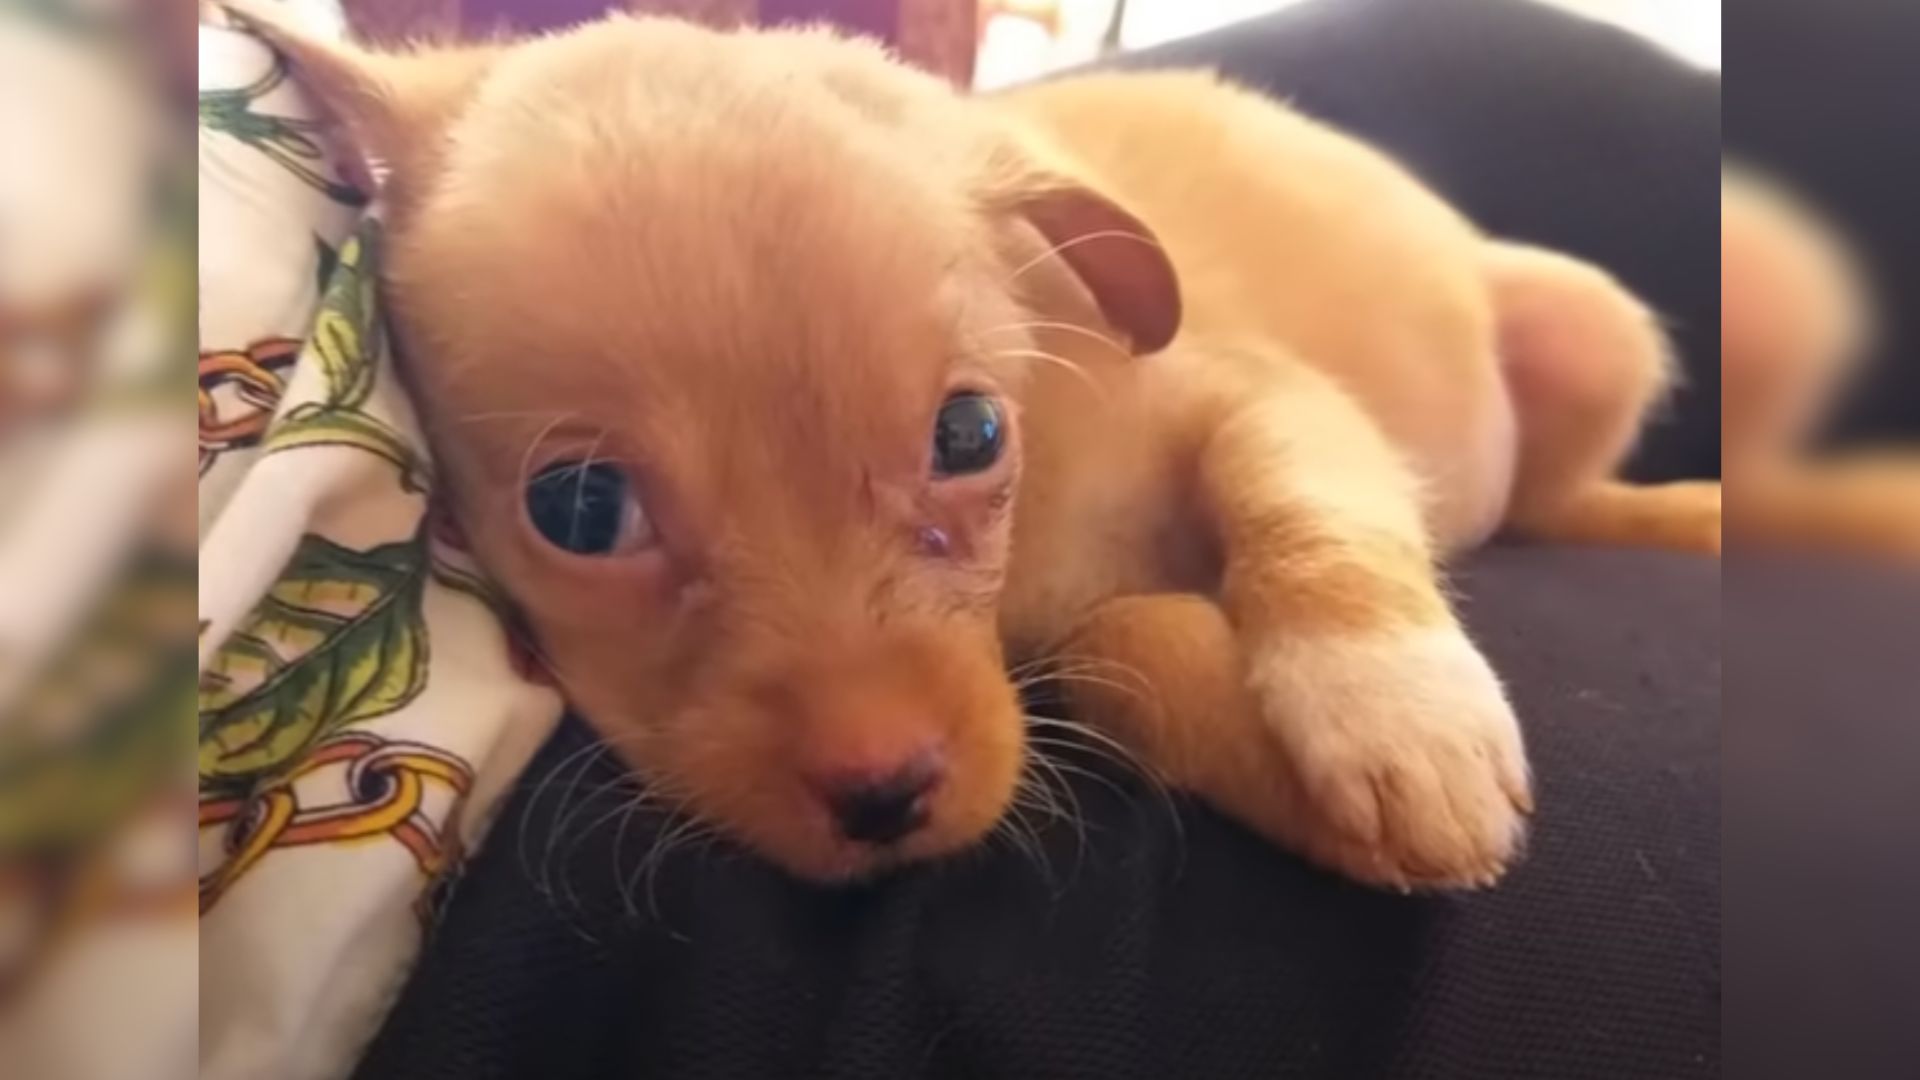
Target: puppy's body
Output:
[(1235, 538), (751, 273), (1304, 257)]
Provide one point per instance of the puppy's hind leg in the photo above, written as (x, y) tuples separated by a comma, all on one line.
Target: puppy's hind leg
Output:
[(1585, 363)]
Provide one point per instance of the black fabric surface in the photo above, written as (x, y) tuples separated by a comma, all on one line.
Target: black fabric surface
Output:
[(1154, 951), (1824, 96), (1541, 127)]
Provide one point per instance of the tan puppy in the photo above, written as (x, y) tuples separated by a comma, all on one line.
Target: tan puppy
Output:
[(1794, 323), (792, 396)]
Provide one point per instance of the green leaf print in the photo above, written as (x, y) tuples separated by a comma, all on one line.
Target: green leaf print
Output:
[(291, 142), (315, 424), (340, 638), (325, 259), (347, 331), (346, 343)]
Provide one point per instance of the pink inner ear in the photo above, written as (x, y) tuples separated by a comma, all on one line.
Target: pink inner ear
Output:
[(1118, 259)]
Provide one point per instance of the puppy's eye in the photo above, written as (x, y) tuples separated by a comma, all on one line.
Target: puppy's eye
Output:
[(588, 508), (968, 435)]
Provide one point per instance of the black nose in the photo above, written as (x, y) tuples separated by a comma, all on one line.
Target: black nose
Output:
[(885, 810)]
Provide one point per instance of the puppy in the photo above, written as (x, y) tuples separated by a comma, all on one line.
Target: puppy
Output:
[(1795, 321), (794, 398)]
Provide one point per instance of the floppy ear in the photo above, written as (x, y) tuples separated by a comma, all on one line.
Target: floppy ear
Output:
[(394, 108), (1113, 253)]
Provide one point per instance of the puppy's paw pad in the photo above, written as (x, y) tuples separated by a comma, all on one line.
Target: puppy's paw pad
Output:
[(1408, 756)]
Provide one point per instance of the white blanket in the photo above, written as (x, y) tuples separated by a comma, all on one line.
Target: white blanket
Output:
[(360, 708)]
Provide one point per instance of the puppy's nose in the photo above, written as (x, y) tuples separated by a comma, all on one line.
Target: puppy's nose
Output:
[(883, 807)]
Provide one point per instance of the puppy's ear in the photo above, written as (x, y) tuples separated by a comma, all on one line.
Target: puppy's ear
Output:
[(1112, 252), (393, 108)]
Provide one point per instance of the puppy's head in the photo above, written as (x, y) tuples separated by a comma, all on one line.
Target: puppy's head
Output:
[(718, 339)]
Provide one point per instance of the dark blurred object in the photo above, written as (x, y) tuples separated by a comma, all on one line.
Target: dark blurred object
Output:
[(1824, 98), (1824, 704), (1541, 127)]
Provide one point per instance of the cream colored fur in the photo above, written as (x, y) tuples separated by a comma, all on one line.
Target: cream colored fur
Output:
[(1259, 383)]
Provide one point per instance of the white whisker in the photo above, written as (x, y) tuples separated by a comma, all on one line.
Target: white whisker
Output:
[(1074, 242), (1060, 362), (526, 456), (582, 469), (1118, 349)]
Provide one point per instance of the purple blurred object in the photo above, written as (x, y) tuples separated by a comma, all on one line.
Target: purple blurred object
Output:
[(878, 18)]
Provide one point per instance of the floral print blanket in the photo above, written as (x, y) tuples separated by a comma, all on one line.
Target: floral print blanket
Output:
[(360, 708)]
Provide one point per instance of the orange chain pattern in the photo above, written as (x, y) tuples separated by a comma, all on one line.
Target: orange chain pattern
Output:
[(386, 784)]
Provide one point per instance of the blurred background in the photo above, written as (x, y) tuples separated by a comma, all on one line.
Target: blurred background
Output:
[(989, 43), (1020, 39), (96, 539)]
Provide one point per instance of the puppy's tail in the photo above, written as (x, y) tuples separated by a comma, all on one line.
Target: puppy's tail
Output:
[(1585, 362)]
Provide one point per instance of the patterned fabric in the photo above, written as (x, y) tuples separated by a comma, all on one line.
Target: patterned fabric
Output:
[(360, 709)]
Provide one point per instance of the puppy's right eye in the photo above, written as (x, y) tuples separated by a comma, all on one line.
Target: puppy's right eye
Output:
[(588, 508), (967, 435)]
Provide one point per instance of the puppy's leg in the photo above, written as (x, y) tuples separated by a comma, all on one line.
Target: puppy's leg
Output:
[(1584, 363), (1165, 674), (1330, 700)]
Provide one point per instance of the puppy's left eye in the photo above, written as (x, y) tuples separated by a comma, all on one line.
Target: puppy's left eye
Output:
[(968, 435), (588, 508)]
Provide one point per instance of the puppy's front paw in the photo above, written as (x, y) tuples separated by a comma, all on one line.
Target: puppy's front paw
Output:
[(1407, 757)]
